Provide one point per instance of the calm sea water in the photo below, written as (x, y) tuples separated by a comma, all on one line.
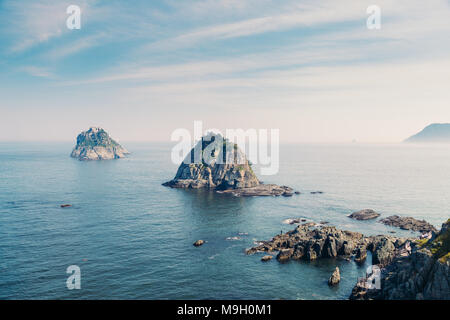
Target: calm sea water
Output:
[(132, 237)]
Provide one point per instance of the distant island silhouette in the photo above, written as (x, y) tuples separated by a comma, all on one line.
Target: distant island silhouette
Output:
[(434, 133)]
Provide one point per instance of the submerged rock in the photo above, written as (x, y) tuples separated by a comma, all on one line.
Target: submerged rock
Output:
[(96, 144), (408, 223), (215, 163), (365, 214), (335, 277)]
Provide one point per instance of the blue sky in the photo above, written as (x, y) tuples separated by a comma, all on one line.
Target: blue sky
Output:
[(142, 69)]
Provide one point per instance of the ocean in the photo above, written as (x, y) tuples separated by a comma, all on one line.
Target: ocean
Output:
[(132, 238)]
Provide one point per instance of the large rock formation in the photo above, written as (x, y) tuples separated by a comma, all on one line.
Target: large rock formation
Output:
[(310, 241), (420, 271), (215, 163), (96, 144)]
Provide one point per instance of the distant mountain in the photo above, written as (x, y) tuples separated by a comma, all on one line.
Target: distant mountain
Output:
[(434, 133)]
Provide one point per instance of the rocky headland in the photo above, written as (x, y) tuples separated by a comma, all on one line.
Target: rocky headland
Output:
[(420, 272), (217, 164), (96, 144), (411, 268)]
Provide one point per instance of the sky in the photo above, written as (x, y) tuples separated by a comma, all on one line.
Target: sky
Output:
[(142, 69)]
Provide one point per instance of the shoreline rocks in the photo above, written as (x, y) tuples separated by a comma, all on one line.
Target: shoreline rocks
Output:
[(408, 223), (419, 270), (312, 241), (365, 214), (96, 144)]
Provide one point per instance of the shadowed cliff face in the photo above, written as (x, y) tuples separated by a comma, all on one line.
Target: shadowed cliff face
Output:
[(96, 144), (215, 163), (423, 274)]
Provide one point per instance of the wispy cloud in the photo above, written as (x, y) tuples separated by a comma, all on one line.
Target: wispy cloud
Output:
[(37, 71)]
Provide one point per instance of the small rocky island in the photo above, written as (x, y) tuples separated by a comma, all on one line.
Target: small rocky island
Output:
[(217, 164), (96, 144)]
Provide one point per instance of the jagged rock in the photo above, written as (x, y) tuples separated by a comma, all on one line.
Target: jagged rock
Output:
[(383, 251), (284, 255), (96, 144), (310, 242), (216, 163), (198, 243), (361, 254), (365, 214), (419, 270), (335, 277), (408, 223)]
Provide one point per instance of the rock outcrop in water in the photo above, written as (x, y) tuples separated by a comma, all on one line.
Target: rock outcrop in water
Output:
[(96, 144), (366, 214), (215, 163), (421, 271), (310, 241), (335, 277), (408, 223)]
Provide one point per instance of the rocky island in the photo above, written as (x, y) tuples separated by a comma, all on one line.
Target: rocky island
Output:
[(96, 144), (217, 164)]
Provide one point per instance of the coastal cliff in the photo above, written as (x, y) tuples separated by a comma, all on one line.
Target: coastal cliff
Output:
[(422, 273), (96, 144)]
